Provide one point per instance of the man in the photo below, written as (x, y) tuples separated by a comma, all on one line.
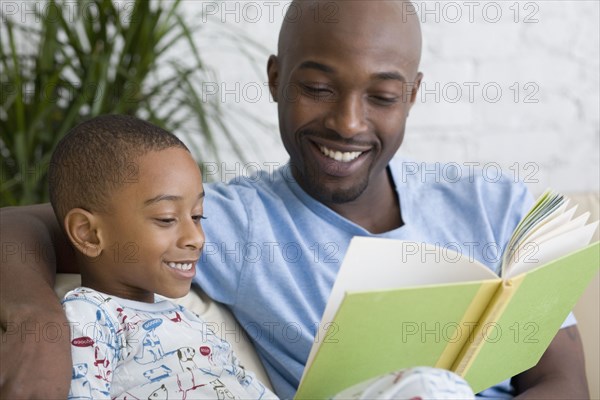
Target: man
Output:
[(344, 90)]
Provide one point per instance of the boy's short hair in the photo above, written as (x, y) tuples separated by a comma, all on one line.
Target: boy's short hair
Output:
[(99, 156)]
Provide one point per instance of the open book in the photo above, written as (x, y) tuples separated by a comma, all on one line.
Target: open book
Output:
[(399, 304)]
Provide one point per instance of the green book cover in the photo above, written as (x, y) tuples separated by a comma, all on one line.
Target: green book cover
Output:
[(540, 301), (421, 305)]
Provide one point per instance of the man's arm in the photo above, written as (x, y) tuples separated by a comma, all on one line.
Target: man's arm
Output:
[(560, 373), (35, 358)]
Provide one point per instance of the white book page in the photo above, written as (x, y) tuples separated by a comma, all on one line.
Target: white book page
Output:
[(524, 253), (530, 245), (544, 212), (379, 264), (548, 225), (543, 252), (573, 225)]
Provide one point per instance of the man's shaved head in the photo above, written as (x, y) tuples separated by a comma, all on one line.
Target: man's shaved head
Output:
[(355, 18)]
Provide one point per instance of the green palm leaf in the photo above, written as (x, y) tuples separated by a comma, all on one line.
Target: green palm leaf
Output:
[(97, 57)]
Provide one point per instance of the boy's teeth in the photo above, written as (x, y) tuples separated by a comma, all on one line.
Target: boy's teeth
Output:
[(340, 156), (181, 266)]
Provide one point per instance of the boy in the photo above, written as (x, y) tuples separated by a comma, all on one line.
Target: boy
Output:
[(129, 197)]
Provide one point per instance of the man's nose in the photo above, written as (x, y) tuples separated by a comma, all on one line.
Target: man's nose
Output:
[(347, 116)]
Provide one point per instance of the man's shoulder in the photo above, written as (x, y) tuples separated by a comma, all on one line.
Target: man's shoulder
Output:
[(454, 176), (264, 183), (461, 186), (263, 197)]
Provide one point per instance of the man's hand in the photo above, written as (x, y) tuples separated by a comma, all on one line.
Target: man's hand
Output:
[(560, 373), (35, 354), (35, 357)]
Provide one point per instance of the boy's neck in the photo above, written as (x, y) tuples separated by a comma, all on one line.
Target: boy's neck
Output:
[(92, 276)]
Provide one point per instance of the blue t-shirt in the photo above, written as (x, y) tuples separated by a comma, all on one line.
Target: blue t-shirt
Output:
[(272, 252)]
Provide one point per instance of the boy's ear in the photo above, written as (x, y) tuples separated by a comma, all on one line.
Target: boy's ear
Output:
[(273, 74), (81, 228)]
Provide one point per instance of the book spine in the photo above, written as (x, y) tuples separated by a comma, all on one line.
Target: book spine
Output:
[(475, 311), (475, 342)]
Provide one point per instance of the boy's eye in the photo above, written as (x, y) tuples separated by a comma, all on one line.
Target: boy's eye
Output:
[(165, 221), (198, 218)]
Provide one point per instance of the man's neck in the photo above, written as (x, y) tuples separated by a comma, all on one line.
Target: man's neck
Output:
[(377, 210)]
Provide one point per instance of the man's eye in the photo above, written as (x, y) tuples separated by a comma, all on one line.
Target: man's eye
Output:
[(383, 100), (316, 90)]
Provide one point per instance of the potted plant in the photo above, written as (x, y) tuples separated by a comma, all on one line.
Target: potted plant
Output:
[(63, 62)]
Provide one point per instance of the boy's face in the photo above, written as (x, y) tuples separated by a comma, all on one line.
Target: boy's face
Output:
[(151, 236)]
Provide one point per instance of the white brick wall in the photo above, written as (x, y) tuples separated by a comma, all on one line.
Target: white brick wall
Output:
[(544, 52)]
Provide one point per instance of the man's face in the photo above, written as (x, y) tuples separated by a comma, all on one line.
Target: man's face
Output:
[(152, 237), (344, 90)]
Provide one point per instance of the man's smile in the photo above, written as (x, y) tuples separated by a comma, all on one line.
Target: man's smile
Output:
[(338, 159), (337, 155)]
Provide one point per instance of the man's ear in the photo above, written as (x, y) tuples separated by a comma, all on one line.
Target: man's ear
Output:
[(81, 227), (273, 74), (414, 88)]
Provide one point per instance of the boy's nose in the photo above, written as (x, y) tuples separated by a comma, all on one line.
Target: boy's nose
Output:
[(192, 236)]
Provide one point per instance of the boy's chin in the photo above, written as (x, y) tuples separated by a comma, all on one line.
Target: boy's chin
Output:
[(176, 294)]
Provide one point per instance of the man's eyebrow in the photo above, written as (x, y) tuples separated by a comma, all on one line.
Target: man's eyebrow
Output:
[(316, 65), (167, 197), (384, 76)]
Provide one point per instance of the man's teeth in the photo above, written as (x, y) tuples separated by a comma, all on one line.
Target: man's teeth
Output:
[(180, 266), (346, 156)]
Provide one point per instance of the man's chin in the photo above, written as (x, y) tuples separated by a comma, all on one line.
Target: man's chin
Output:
[(331, 190), (337, 195)]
